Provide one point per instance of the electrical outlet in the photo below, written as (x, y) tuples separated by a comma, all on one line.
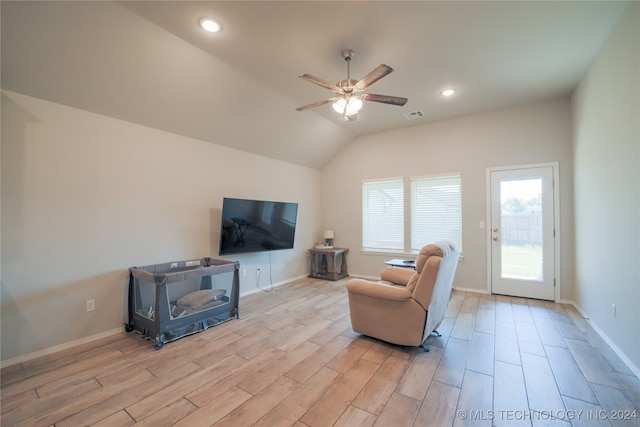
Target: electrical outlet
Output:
[(244, 272), (191, 263), (174, 265), (91, 305), (613, 310)]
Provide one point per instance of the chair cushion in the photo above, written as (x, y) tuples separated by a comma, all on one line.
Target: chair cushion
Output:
[(405, 313), (379, 290), (425, 253), (397, 275)]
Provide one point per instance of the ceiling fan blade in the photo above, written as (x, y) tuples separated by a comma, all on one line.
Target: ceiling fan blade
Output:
[(317, 104), (379, 72), (320, 82), (385, 99)]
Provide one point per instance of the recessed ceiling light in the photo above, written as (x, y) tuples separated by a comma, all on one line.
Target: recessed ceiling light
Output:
[(448, 92), (210, 25)]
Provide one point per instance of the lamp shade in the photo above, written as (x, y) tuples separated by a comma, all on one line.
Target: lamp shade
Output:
[(329, 234)]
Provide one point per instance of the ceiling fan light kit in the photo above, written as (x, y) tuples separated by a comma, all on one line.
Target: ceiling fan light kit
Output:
[(350, 97), (348, 106)]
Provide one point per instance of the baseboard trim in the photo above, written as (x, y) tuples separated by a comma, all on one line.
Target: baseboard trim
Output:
[(105, 334), (633, 368), (603, 335), (275, 285), (60, 347), (474, 291), (595, 327)]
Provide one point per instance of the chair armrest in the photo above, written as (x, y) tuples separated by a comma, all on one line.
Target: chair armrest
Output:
[(378, 290), (397, 275)]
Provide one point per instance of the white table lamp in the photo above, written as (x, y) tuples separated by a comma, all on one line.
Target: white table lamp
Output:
[(328, 235)]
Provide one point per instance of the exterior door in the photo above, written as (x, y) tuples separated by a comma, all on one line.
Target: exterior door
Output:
[(522, 233)]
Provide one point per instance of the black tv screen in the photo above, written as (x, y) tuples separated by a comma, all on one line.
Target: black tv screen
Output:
[(256, 225)]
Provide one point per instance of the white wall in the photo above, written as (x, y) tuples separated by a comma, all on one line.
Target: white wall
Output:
[(530, 134), (607, 187), (85, 197)]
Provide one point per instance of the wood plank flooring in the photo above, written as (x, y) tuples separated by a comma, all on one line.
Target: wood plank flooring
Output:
[(292, 359)]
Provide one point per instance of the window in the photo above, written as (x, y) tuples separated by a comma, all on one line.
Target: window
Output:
[(434, 209), (383, 215)]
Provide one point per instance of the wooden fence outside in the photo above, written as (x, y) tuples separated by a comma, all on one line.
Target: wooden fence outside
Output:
[(522, 228)]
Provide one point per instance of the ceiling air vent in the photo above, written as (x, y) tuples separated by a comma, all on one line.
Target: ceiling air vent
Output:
[(414, 115)]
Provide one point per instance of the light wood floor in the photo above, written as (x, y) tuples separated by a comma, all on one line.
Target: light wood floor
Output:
[(293, 360)]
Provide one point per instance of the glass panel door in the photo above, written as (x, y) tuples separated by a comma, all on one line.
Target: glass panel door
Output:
[(522, 232), (521, 218)]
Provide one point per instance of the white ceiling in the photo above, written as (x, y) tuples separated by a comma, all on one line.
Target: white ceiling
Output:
[(149, 63)]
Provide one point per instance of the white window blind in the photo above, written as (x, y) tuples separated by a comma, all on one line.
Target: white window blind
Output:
[(383, 214), (436, 210)]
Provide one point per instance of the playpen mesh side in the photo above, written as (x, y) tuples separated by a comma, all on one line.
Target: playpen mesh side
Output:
[(161, 324)]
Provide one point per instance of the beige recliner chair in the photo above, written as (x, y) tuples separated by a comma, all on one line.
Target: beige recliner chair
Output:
[(406, 305)]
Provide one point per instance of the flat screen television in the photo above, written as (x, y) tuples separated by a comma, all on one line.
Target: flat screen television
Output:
[(256, 225)]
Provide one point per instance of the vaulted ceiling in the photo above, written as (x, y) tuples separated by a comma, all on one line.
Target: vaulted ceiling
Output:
[(149, 63)]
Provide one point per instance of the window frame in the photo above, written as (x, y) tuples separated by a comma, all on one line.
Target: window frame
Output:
[(413, 247), (365, 221), (407, 214)]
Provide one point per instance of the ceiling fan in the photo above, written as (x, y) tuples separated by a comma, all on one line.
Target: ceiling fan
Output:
[(349, 91)]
